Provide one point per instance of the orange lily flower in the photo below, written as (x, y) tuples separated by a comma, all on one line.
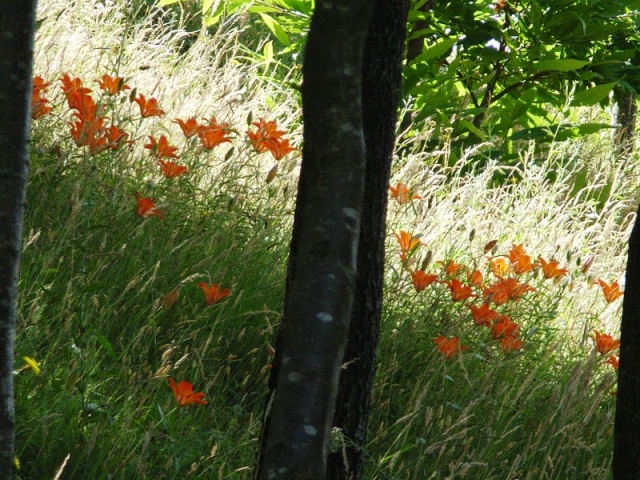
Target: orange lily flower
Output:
[(408, 244), (148, 108), (452, 268), (184, 394), (212, 137), (279, 147), (604, 342), (147, 207), (509, 343), (212, 293), (459, 291), (611, 291), (550, 269), (504, 327), (498, 266), (190, 127), (171, 169), (265, 131), (520, 261), (39, 107), (403, 194), (160, 148), (483, 315), (73, 85), (116, 137), (475, 278), (505, 289), (614, 361), (112, 85), (448, 347), (422, 280)]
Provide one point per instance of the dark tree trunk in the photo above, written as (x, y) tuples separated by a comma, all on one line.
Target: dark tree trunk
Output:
[(626, 449), (382, 74), (17, 23), (627, 112), (322, 263)]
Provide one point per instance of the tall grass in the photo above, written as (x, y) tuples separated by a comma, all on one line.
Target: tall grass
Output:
[(98, 308)]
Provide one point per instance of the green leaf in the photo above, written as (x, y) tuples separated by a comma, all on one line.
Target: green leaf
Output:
[(276, 29), (206, 6), (436, 50), (164, 3), (592, 96), (564, 65), (107, 346)]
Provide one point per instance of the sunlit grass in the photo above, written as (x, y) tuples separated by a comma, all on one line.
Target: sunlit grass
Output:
[(110, 304)]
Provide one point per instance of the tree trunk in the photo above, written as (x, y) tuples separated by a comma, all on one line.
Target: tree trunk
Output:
[(17, 23), (626, 448), (625, 136), (382, 75), (323, 256)]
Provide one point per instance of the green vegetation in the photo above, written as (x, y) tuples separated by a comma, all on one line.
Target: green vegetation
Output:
[(110, 304)]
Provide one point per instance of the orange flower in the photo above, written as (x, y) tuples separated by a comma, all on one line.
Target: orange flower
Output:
[(184, 394), (148, 108), (505, 289), (161, 147), (475, 278), (504, 327), (510, 343), (422, 280), (403, 194), (147, 207), (115, 137), (39, 85), (449, 347), (408, 244), (212, 293), (452, 268), (211, 138), (459, 291), (190, 127), (73, 85), (171, 169), (550, 269), (279, 147), (499, 266), (614, 361), (604, 342), (483, 315), (112, 85), (520, 261), (39, 107), (265, 131), (611, 291)]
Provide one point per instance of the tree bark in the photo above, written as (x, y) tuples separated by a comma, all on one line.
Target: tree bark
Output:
[(17, 24), (323, 254), (625, 136), (382, 76), (626, 448)]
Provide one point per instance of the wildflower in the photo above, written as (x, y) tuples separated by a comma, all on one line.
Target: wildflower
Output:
[(611, 291), (483, 315), (265, 131), (403, 194), (73, 85), (408, 244), (211, 138), (452, 268), (279, 147), (32, 364), (39, 107), (212, 293), (550, 269), (509, 343), (422, 280), (112, 85), (148, 108), (505, 327), (147, 207), (520, 261), (115, 137), (604, 342), (190, 127), (503, 290), (449, 347), (160, 148), (475, 278), (614, 361), (498, 266), (184, 394), (171, 169), (459, 291)]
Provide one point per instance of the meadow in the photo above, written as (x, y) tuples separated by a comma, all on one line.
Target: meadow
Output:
[(164, 161)]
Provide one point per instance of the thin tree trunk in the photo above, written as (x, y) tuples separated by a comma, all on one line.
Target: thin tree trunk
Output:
[(625, 137), (17, 23), (322, 263), (626, 445), (382, 75)]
